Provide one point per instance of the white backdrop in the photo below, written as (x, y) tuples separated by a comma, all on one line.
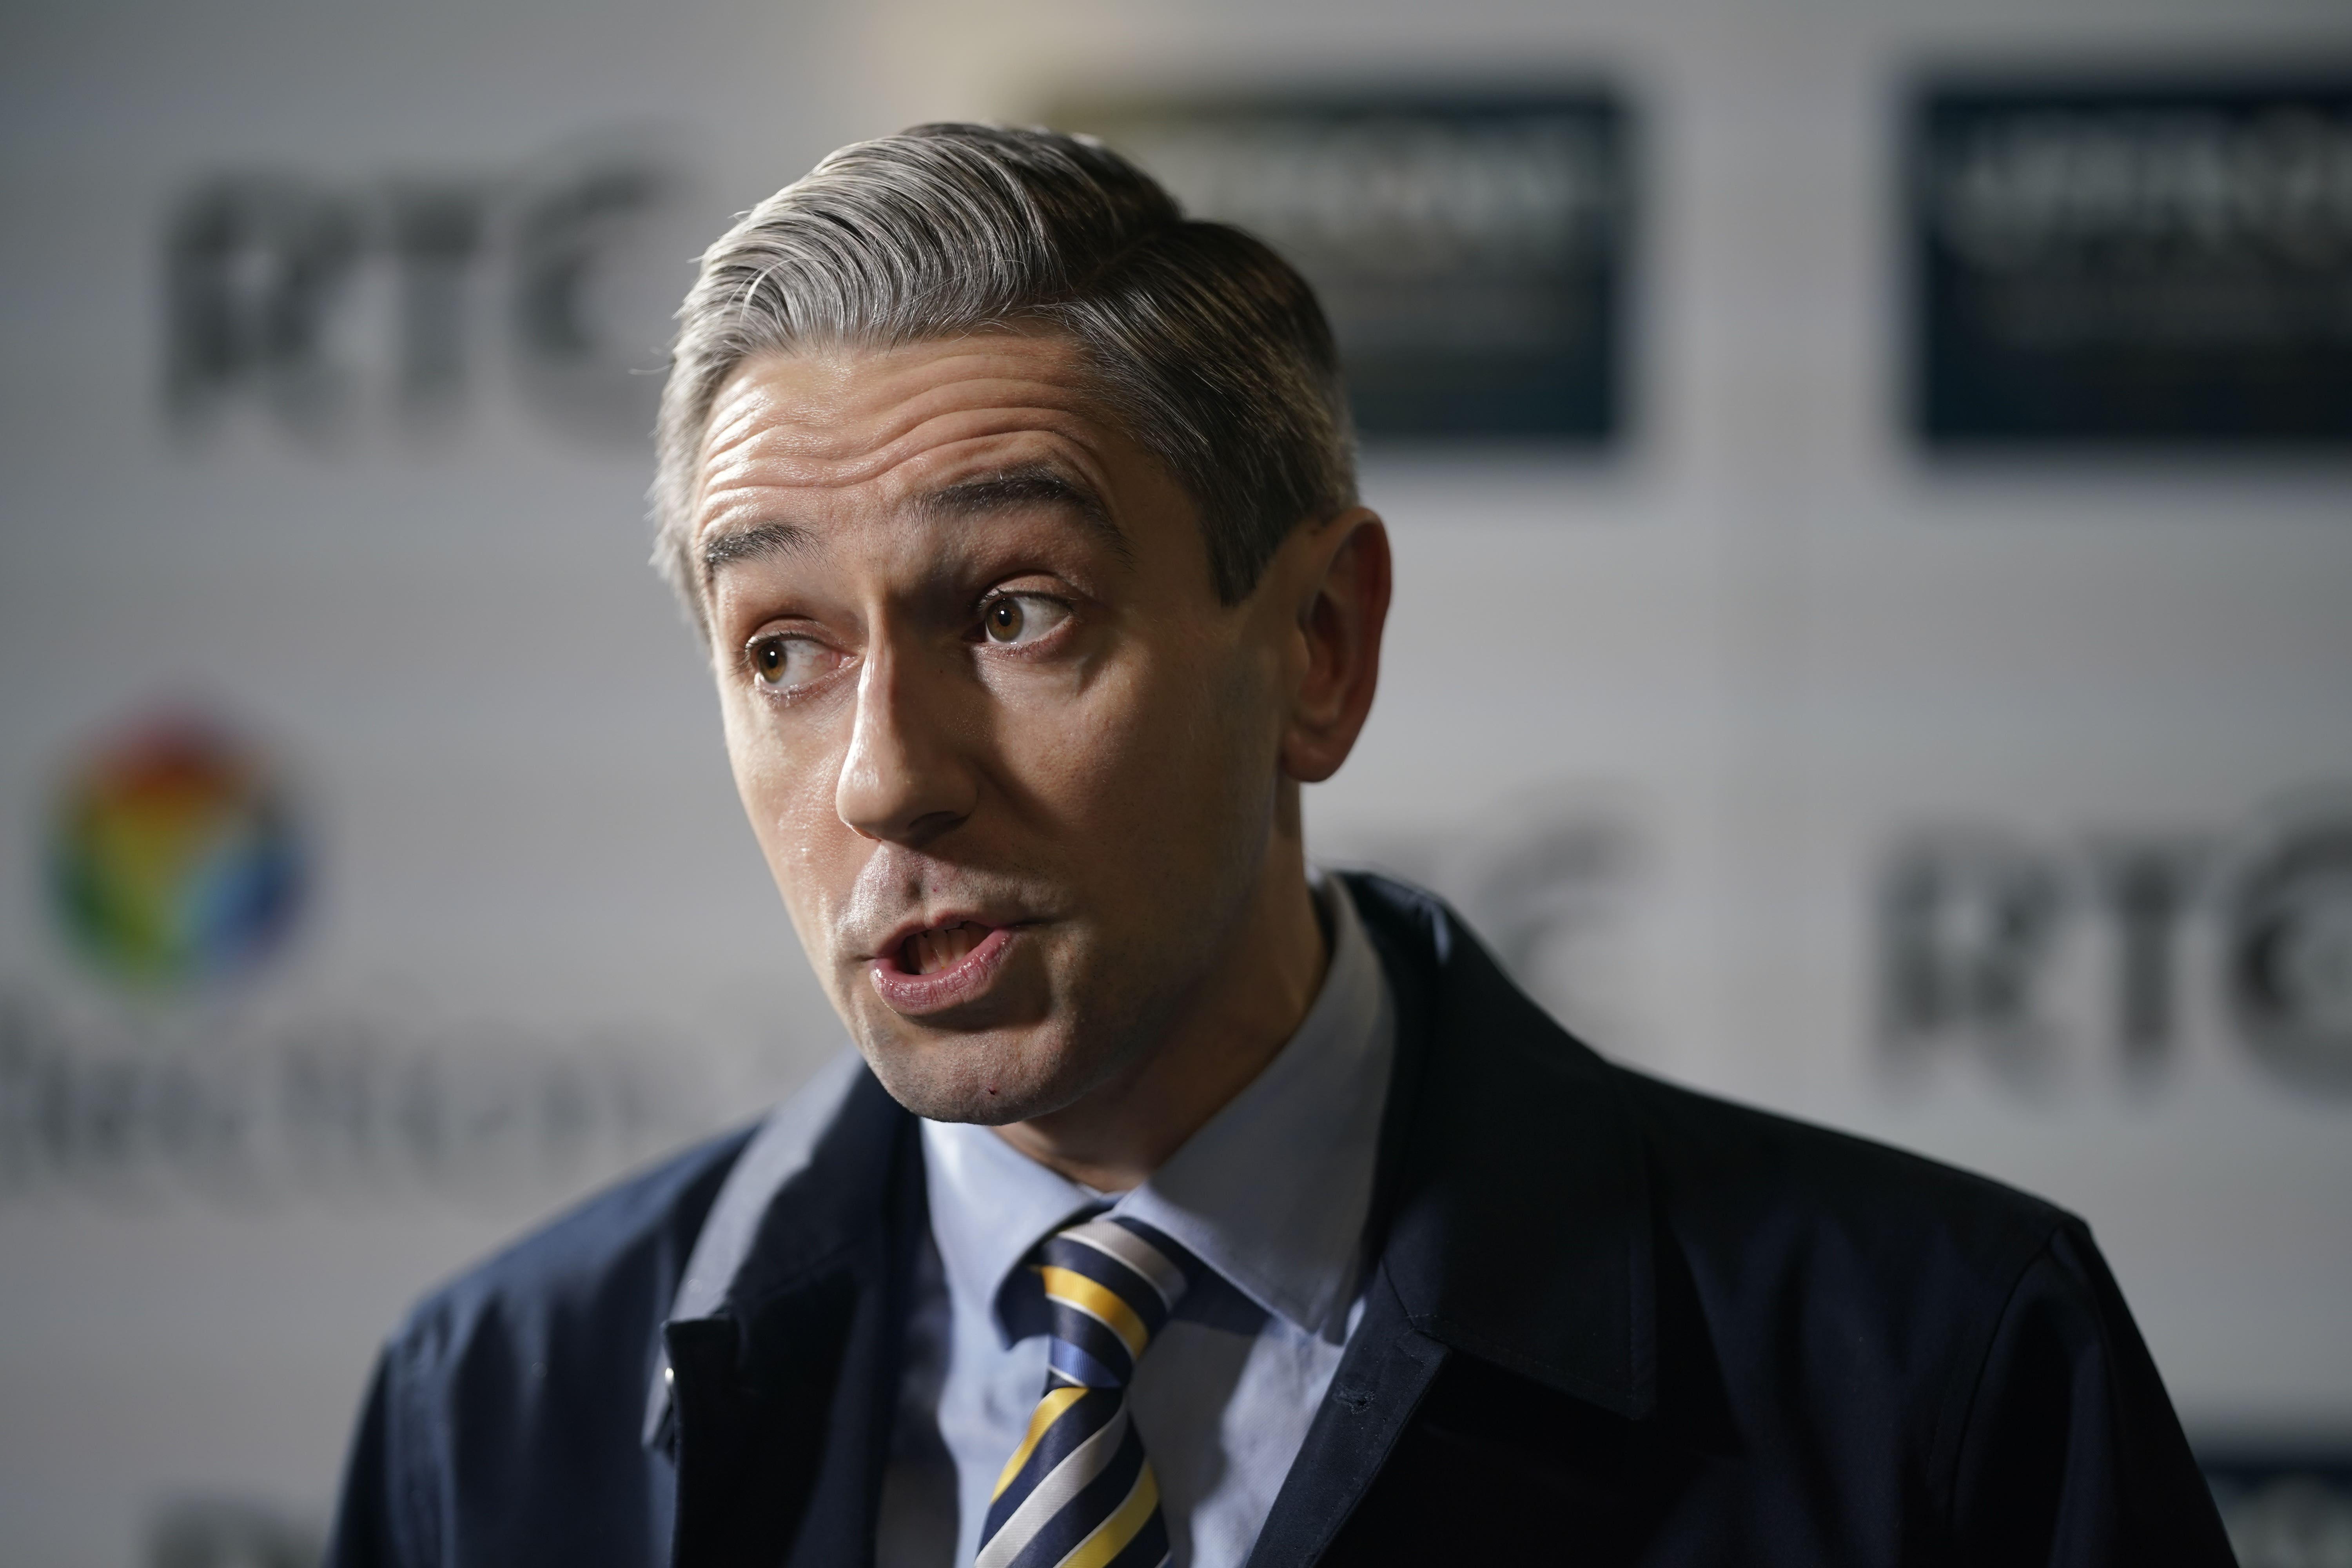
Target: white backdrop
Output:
[(1727, 676)]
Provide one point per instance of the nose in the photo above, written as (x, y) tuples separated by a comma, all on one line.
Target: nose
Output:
[(905, 779)]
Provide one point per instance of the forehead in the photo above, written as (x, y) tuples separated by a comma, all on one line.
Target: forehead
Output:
[(892, 421)]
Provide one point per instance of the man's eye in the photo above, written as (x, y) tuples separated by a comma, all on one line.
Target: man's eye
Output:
[(1014, 619), (782, 663)]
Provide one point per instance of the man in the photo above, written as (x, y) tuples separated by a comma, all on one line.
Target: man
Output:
[(1177, 1205)]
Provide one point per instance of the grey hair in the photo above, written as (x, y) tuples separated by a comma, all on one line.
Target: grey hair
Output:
[(1206, 347)]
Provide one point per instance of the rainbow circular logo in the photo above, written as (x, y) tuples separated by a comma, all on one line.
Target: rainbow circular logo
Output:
[(173, 856)]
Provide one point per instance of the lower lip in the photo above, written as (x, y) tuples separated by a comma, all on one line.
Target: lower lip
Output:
[(966, 980)]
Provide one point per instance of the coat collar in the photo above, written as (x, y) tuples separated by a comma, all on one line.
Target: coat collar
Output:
[(781, 1398), (807, 1189), (1512, 1217), (1516, 1201)]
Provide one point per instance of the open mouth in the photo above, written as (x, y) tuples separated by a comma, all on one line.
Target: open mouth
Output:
[(942, 966), (941, 948)]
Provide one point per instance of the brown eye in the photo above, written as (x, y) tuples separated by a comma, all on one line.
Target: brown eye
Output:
[(784, 663), (1019, 620)]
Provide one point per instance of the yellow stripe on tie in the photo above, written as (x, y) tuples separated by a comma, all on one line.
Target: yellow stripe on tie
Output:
[(1074, 1288), (1111, 1536), (1049, 1410)]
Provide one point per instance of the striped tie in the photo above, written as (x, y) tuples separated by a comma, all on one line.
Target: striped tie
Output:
[(1078, 1492)]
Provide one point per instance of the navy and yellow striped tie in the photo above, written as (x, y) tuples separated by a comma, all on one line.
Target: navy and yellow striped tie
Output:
[(1078, 1492)]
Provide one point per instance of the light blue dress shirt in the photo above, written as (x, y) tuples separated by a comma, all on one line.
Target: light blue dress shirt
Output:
[(1272, 1195)]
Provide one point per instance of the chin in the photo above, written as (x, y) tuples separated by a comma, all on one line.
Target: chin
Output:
[(991, 1080)]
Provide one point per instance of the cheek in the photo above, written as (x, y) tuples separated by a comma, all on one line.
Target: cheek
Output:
[(1152, 748), (1090, 750), (786, 785)]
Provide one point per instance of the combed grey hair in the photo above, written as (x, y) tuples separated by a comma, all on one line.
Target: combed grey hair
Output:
[(1207, 348)]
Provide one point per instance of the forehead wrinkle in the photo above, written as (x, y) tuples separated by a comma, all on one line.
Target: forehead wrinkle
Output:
[(846, 409), (849, 419), (914, 428), (934, 442)]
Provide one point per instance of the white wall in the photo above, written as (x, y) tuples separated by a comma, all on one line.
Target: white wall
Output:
[(1766, 642)]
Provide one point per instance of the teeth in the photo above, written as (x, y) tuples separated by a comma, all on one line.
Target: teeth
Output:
[(944, 947)]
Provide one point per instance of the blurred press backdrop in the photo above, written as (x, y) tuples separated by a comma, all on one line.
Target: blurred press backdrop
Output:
[(1872, 486)]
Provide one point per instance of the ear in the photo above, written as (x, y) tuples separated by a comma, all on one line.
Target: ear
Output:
[(1341, 610)]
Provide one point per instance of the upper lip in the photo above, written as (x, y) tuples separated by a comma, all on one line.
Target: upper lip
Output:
[(892, 944)]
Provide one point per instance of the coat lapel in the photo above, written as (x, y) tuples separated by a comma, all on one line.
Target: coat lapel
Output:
[(1511, 1221), (1519, 1229), (1510, 1224), (1388, 1366), (782, 1396)]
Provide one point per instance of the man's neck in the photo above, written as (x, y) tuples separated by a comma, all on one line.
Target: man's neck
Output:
[(1119, 1133)]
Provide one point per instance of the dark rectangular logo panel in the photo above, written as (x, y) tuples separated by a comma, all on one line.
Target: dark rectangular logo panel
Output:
[(2134, 264), (1470, 250)]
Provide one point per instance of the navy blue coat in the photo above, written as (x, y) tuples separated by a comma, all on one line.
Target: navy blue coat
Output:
[(1614, 1321)]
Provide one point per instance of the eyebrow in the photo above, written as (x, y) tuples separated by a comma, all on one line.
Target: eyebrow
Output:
[(759, 540), (1026, 484), (1029, 484)]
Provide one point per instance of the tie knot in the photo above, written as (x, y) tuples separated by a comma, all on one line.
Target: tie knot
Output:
[(1111, 1284)]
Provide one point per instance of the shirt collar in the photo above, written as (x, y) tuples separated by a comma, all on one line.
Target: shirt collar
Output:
[(1272, 1193)]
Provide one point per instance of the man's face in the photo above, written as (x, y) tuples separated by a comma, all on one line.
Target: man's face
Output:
[(1014, 767)]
